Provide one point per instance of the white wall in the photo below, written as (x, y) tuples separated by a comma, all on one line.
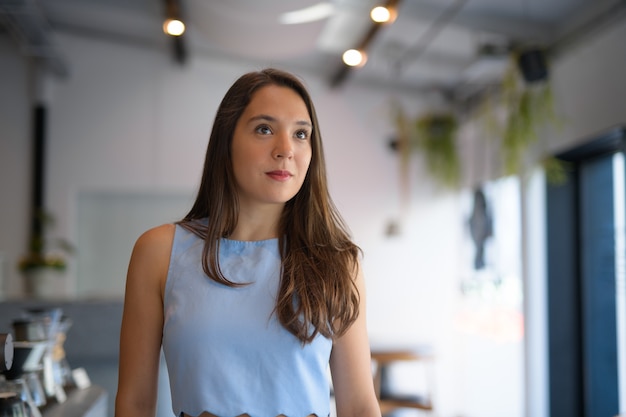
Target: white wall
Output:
[(127, 120), (590, 87)]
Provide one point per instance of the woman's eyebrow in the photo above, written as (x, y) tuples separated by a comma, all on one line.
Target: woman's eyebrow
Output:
[(268, 118), (263, 117)]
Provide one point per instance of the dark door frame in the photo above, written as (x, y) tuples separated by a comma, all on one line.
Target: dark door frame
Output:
[(575, 355)]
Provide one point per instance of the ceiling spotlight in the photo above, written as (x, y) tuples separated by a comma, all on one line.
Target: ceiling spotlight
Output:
[(173, 27), (382, 14), (354, 58)]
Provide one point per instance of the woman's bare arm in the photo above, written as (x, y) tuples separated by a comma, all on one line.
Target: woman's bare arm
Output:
[(351, 367), (142, 324)]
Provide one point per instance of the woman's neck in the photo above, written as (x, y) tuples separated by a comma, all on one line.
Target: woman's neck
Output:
[(257, 224)]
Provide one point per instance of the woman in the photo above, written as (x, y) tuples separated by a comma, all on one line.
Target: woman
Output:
[(258, 289)]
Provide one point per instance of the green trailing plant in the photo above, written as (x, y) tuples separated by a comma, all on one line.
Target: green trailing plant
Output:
[(528, 107), (435, 136), (45, 252), (526, 102), (432, 135)]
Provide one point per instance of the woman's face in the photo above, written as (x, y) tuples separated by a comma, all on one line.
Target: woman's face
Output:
[(271, 147)]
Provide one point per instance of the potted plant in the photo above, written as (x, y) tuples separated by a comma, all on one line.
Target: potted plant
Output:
[(529, 105), (434, 136), (526, 100), (43, 267)]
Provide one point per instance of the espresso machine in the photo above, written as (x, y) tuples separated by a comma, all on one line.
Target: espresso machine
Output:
[(40, 370), (48, 326)]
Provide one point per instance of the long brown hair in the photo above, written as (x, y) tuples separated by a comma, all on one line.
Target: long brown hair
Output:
[(317, 293)]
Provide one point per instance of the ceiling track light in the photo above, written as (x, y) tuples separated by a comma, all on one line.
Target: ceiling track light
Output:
[(386, 16), (174, 27), (383, 14), (354, 58)]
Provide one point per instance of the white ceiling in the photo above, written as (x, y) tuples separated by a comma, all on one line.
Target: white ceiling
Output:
[(433, 44)]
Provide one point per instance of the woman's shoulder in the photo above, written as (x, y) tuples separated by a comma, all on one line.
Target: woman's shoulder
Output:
[(157, 238), (150, 257), (163, 231)]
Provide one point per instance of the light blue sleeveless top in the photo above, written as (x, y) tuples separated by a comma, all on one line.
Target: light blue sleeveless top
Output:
[(225, 350)]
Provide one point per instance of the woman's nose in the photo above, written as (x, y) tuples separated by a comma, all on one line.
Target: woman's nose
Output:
[(283, 147)]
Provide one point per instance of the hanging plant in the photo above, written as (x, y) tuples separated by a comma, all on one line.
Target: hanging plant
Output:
[(526, 99), (436, 138), (526, 95)]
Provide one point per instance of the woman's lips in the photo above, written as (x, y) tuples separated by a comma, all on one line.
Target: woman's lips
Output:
[(279, 175)]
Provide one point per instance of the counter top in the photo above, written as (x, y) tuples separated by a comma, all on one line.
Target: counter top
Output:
[(88, 402)]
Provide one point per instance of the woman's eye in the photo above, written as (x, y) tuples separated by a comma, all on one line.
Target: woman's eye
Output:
[(264, 130), (302, 134)]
